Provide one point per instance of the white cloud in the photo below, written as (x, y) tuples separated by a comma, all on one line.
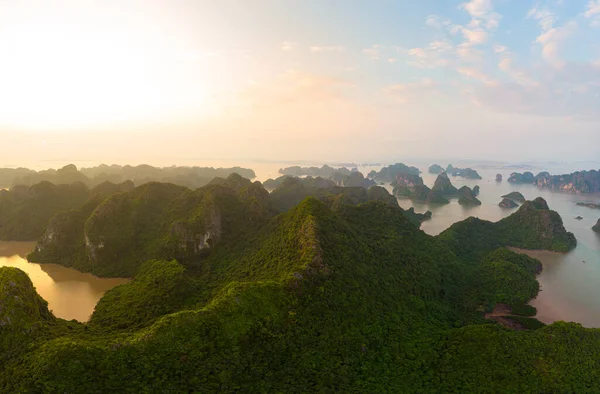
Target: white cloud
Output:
[(477, 75), (418, 52), (482, 14), (437, 22), (518, 75), (405, 92), (544, 17), (326, 48), (436, 54), (552, 41), (374, 52), (592, 11), (477, 8), (592, 8), (392, 60), (288, 45), (572, 91), (476, 36), (466, 52)]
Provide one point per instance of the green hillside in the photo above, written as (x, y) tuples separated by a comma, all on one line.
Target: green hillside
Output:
[(328, 296)]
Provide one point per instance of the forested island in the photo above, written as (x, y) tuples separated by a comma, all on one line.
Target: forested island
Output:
[(304, 289), (578, 182)]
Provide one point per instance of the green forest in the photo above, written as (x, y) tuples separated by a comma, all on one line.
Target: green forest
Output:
[(305, 289)]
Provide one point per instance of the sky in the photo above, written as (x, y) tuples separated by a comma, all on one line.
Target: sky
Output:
[(322, 80)]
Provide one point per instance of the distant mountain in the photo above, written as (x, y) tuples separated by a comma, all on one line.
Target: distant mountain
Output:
[(191, 177), (578, 182), (467, 173), (324, 171)]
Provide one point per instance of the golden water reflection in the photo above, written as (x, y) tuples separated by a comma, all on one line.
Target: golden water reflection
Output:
[(70, 293)]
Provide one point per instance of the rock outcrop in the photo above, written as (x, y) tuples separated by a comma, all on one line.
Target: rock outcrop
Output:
[(507, 203), (524, 178), (406, 184), (498, 177), (467, 197), (515, 196), (577, 182), (596, 228), (389, 173)]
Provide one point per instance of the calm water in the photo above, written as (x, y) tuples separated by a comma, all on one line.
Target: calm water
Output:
[(70, 293)]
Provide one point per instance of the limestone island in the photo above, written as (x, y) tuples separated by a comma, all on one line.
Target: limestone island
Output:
[(389, 173), (411, 186), (498, 177), (596, 228), (436, 169), (467, 197), (515, 196)]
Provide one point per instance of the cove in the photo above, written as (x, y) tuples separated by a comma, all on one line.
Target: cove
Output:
[(70, 294)]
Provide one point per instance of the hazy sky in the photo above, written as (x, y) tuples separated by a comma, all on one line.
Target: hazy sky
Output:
[(329, 80)]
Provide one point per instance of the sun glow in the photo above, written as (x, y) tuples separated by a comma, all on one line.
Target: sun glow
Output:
[(58, 72)]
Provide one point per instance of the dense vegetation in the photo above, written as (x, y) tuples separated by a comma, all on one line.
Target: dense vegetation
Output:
[(25, 211), (155, 220), (578, 182), (467, 173), (335, 294), (192, 177)]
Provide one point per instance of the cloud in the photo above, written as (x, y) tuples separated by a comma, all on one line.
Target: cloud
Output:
[(552, 41), (292, 86), (572, 91), (500, 48), (482, 14), (592, 11), (327, 48), (519, 76), (287, 45), (476, 36), (544, 17), (436, 54), (592, 8), (392, 60), (477, 75), (437, 22), (405, 92), (374, 52)]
